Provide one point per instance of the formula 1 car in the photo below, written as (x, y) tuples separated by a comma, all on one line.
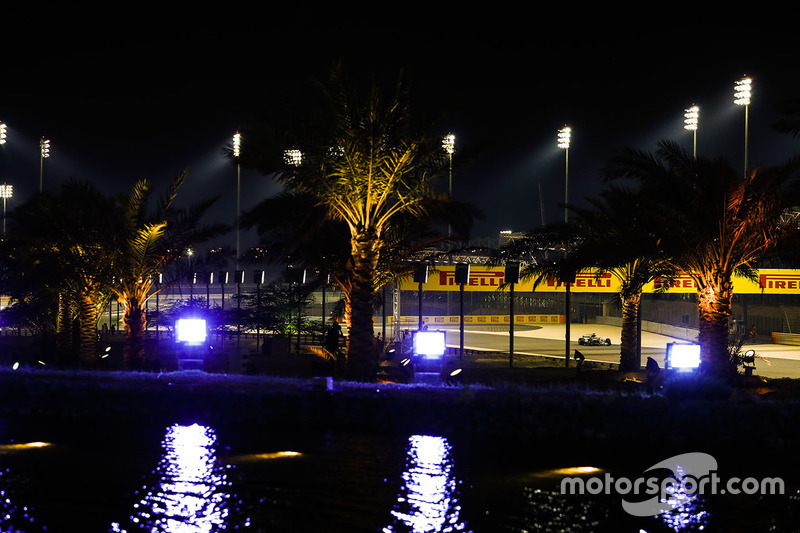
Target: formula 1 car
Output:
[(593, 340)]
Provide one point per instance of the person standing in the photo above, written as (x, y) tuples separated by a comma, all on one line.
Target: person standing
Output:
[(332, 338)]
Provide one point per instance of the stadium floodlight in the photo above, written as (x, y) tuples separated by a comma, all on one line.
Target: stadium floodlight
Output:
[(741, 96), (237, 151), (293, 157), (44, 153), (690, 122), (564, 136)]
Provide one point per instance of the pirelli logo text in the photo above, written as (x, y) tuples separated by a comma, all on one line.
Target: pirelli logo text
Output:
[(489, 279), (680, 282), (779, 282), (586, 281)]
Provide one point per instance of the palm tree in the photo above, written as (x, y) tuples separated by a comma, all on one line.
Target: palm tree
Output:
[(296, 232), (372, 169), (711, 222), (58, 243), (621, 241), (611, 236), (147, 244)]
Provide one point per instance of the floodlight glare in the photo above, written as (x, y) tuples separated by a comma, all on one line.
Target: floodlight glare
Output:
[(564, 135), (237, 145), (429, 344), (44, 147), (293, 157), (449, 143), (683, 357), (190, 330), (742, 91), (692, 117)]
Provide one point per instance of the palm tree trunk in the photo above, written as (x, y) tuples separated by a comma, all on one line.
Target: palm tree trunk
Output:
[(63, 327), (87, 346), (714, 305), (134, 320), (629, 359), (362, 363)]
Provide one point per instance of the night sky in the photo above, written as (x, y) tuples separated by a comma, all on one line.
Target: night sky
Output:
[(142, 92)]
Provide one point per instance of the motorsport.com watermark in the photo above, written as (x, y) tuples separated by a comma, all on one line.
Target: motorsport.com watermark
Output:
[(692, 475)]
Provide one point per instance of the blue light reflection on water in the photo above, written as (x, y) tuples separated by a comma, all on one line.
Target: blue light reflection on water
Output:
[(428, 499), (13, 515), (687, 511), (192, 491), (350, 486)]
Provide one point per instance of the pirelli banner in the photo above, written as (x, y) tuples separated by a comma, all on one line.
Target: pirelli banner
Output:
[(482, 278)]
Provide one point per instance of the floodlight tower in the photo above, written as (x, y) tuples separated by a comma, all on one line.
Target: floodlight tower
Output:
[(691, 119), (293, 157), (564, 135), (237, 146), (3, 132), (449, 146), (741, 96), (6, 191), (44, 153)]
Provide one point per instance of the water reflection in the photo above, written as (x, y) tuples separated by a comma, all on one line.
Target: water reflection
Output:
[(12, 514), (686, 508), (428, 498), (687, 511), (191, 490), (544, 509)]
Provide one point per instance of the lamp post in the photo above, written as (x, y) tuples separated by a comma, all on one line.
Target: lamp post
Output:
[(237, 146), (6, 191), (223, 279), (44, 153), (462, 278), (564, 135), (691, 118), (449, 146), (741, 96)]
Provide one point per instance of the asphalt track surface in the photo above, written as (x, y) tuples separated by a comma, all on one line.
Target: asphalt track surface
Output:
[(773, 360)]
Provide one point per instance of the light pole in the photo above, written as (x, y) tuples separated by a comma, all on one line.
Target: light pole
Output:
[(690, 121), (44, 151), (237, 146), (449, 146), (741, 96), (564, 135), (3, 133), (6, 191)]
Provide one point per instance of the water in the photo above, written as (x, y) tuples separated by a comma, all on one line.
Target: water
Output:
[(190, 477)]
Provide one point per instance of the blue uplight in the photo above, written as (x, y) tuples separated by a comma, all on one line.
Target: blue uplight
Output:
[(429, 344), (190, 330)]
